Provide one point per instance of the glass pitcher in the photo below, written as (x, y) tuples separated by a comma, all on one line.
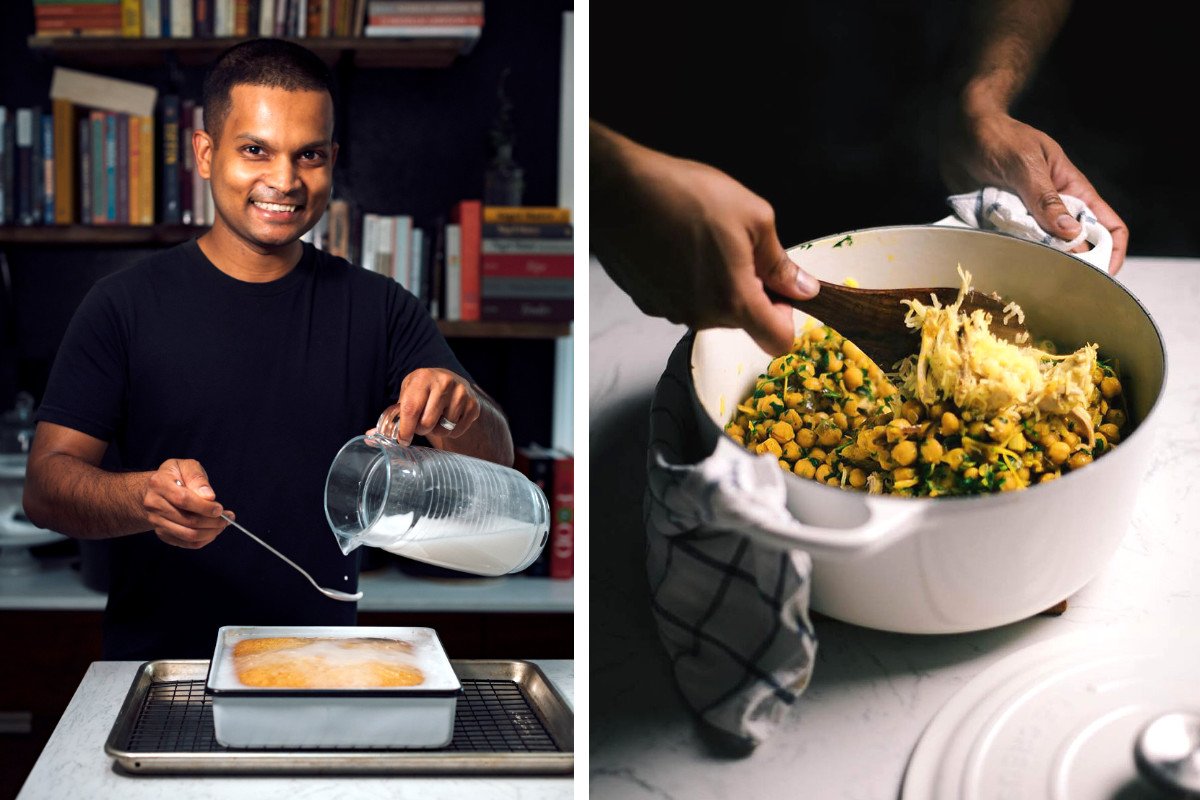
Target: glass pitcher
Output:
[(433, 506)]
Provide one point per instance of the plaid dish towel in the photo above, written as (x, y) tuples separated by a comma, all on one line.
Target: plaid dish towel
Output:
[(730, 605), (993, 209)]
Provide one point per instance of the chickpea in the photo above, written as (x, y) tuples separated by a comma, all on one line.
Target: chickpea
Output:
[(1002, 428), (839, 419), (971, 472), (806, 438), (823, 472), (931, 451), (904, 474), (793, 399), (739, 439), (955, 457), (1058, 453), (785, 466), (1079, 460), (949, 424), (858, 478), (1018, 443), (911, 411), (1071, 439), (791, 451), (1116, 416), (835, 364), (812, 384), (770, 446), (1110, 432), (793, 418), (850, 351), (1009, 483), (1110, 388), (830, 436), (782, 432), (804, 468), (905, 453), (1047, 477), (852, 378), (977, 429), (817, 453)]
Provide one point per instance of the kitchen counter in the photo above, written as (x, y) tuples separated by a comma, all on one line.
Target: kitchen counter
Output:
[(851, 733), (74, 764), (58, 587)]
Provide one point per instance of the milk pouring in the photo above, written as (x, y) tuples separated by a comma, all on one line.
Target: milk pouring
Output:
[(433, 506)]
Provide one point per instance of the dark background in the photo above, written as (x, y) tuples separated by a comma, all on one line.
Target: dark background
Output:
[(829, 110), (412, 142)]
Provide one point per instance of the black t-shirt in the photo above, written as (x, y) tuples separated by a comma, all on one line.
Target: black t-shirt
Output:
[(261, 383)]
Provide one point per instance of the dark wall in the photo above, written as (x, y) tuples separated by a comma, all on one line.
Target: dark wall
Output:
[(412, 142), (829, 109)]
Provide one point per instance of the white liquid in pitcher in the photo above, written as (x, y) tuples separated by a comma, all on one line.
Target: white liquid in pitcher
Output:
[(441, 542)]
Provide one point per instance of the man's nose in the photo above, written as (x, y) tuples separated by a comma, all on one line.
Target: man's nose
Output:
[(283, 176)]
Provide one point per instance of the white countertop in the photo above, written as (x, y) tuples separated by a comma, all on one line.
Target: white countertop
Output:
[(60, 588), (851, 733), (74, 765)]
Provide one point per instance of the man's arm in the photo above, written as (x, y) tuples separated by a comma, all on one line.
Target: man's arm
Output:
[(67, 491), (984, 145)]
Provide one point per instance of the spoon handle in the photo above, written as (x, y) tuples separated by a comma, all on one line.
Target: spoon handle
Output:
[(296, 566)]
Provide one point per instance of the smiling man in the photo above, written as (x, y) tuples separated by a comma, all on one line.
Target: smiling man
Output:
[(224, 374)]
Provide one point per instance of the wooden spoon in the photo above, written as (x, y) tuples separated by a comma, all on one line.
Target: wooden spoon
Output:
[(874, 318)]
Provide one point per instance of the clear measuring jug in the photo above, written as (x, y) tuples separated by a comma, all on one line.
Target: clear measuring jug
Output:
[(433, 506)]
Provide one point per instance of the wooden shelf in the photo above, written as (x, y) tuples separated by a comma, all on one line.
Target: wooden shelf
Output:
[(503, 330), (98, 235), (364, 52)]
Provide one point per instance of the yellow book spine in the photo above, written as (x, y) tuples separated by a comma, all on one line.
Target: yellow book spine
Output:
[(131, 18), (526, 214), (135, 170), (146, 164)]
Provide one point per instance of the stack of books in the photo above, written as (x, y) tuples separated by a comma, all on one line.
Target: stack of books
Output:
[(527, 264), (451, 19), (394, 246)]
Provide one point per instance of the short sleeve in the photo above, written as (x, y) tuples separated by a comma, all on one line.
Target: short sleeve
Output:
[(88, 382), (414, 341)]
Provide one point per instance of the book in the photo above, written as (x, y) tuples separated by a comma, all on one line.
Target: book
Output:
[(182, 19), (522, 265), (525, 288), (131, 18), (6, 170), (99, 183), (339, 228), (402, 249), (152, 19), (111, 161), (416, 263), (424, 20), (133, 171), (452, 283), (146, 168), (100, 92), (198, 184), (526, 214), (562, 517), (467, 214), (187, 166), (202, 19), (523, 310), (375, 7), (46, 198), (85, 168), (169, 161), (531, 246), (425, 31), (23, 172), (385, 245), (435, 271), (65, 151), (527, 230)]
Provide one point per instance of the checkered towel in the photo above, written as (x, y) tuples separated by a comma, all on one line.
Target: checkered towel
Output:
[(993, 209), (731, 607)]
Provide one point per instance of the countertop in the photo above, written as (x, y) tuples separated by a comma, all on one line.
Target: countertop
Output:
[(851, 733), (58, 587), (74, 764)]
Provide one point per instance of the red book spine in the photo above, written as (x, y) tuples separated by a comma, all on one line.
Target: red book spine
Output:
[(425, 19), (469, 215), (562, 515), (518, 265)]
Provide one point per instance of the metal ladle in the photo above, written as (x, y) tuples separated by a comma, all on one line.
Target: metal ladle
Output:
[(1167, 752), (331, 593)]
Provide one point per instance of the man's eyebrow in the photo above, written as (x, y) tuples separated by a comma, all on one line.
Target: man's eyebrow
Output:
[(263, 142)]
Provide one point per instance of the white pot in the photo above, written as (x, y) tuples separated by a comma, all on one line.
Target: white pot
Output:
[(943, 565)]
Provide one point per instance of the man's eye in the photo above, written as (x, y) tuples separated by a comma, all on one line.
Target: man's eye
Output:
[(312, 155), (253, 149)]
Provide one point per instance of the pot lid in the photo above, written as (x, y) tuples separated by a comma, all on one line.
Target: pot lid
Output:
[(1056, 720)]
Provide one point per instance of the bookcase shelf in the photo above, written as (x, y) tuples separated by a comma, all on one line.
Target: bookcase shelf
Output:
[(503, 330), (97, 235), (95, 51)]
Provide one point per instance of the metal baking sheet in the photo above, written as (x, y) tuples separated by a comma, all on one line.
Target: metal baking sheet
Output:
[(510, 720)]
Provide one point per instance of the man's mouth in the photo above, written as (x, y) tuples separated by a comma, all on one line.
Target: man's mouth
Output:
[(277, 207)]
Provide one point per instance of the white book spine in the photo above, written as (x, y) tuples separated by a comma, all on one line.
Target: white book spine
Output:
[(152, 19), (425, 31), (266, 18), (453, 282), (302, 18), (416, 262), (368, 242), (181, 19), (403, 250), (385, 244), (198, 183)]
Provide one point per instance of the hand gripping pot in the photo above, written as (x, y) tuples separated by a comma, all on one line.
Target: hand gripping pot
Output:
[(435, 506), (951, 564)]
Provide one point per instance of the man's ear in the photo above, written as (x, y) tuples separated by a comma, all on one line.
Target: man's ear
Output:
[(202, 146)]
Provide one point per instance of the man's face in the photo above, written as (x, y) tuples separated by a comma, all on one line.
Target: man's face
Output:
[(270, 165)]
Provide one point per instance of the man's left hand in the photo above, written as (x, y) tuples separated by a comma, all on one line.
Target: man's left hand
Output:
[(435, 403)]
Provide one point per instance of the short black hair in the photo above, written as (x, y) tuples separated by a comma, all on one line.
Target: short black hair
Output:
[(275, 63)]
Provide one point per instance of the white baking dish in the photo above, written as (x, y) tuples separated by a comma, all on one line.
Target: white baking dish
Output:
[(420, 716)]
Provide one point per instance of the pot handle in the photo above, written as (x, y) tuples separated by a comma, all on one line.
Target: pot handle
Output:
[(888, 521), (1096, 234)]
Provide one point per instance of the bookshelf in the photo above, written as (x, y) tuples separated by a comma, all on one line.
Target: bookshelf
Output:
[(366, 53)]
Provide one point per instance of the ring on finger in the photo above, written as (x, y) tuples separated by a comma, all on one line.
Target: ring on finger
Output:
[(447, 424)]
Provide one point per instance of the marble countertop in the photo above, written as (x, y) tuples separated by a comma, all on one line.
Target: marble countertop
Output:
[(850, 735), (74, 763), (58, 587)]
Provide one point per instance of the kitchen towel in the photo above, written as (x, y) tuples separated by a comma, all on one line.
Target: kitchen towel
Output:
[(731, 608), (993, 209)]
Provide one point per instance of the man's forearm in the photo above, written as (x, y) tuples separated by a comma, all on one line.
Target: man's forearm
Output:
[(70, 496), (1008, 39), (489, 438)]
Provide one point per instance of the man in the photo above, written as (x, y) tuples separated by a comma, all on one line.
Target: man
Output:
[(224, 374)]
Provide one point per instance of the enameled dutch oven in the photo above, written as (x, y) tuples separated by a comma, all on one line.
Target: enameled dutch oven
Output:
[(943, 565)]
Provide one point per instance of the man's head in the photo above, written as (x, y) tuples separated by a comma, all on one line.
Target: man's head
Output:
[(267, 147)]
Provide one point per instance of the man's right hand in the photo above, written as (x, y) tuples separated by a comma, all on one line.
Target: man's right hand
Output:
[(181, 505)]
